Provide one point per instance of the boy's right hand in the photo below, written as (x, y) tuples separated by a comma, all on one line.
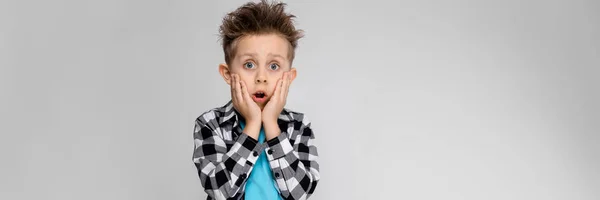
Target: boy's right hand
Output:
[(244, 104)]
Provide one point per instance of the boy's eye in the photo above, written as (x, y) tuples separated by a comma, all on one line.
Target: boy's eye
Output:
[(249, 65), (274, 66)]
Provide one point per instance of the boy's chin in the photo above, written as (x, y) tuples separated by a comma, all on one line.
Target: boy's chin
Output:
[(262, 104)]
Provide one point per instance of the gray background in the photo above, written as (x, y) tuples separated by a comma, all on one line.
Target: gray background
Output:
[(409, 100)]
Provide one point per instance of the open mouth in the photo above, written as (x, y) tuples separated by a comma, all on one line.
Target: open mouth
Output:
[(259, 97)]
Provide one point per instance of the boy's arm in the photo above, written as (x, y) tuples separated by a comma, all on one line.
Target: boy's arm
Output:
[(294, 166), (223, 173)]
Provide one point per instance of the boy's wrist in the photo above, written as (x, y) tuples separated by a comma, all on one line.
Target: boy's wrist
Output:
[(254, 123), (252, 129), (271, 130), (269, 123)]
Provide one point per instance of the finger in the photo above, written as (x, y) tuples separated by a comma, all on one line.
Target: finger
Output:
[(245, 92), (232, 84), (231, 79), (277, 92), (238, 91), (284, 85), (289, 83), (289, 80), (284, 89)]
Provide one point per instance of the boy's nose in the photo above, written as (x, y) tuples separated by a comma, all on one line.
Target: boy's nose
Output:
[(261, 80), (261, 76)]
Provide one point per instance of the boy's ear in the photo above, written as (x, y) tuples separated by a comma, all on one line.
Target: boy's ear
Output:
[(225, 73), (293, 72)]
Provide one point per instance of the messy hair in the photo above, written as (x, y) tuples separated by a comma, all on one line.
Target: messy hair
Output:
[(256, 19)]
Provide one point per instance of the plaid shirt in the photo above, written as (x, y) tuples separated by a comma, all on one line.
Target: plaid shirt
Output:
[(225, 157)]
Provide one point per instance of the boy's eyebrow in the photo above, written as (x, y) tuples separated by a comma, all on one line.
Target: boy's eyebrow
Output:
[(277, 55), (248, 54), (270, 55)]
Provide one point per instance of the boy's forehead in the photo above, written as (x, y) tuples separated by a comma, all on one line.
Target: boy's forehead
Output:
[(263, 45)]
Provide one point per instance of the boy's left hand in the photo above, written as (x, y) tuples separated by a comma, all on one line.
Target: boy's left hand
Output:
[(275, 105)]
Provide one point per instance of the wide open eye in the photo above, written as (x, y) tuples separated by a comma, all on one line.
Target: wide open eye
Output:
[(249, 65), (274, 66)]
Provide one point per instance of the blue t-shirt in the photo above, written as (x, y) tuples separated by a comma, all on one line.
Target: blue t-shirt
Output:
[(260, 183)]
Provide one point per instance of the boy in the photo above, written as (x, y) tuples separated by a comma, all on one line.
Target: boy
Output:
[(252, 147)]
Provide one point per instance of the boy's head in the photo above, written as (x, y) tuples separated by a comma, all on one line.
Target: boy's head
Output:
[(259, 40)]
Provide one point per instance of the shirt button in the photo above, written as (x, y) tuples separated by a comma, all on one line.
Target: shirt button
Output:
[(270, 151), (255, 153), (276, 175)]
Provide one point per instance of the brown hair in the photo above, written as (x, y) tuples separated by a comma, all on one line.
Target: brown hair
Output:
[(255, 19)]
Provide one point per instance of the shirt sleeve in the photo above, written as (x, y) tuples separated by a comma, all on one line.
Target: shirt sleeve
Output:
[(223, 173), (294, 166)]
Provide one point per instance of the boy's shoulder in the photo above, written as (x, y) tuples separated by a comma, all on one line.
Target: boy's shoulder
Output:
[(216, 117)]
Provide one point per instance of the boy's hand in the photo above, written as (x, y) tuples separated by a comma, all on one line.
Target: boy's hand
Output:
[(246, 106), (275, 105)]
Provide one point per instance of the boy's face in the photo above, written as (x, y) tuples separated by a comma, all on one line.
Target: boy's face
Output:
[(260, 61)]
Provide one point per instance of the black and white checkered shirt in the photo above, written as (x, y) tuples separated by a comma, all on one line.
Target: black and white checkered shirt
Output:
[(225, 157)]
